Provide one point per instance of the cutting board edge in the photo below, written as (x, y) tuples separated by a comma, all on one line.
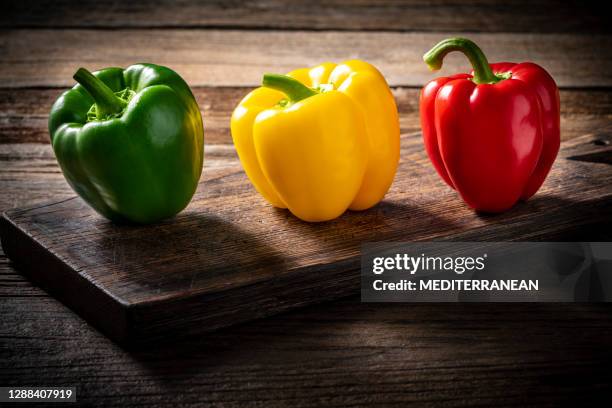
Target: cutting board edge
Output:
[(46, 270), (142, 323), (264, 299)]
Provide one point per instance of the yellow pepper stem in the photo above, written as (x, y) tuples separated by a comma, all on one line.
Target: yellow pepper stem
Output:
[(294, 89)]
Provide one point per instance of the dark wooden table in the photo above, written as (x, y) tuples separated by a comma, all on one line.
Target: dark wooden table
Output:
[(341, 353)]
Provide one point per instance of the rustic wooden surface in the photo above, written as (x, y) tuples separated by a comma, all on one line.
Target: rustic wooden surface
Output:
[(379, 15), (235, 57), (341, 353), (192, 273)]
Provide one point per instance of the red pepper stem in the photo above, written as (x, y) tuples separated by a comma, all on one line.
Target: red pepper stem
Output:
[(107, 103), (294, 89), (482, 70)]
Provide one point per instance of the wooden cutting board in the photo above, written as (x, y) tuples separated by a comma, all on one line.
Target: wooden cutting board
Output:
[(230, 257)]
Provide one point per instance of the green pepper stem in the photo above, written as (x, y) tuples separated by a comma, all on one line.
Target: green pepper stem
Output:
[(294, 89), (482, 70), (106, 101)]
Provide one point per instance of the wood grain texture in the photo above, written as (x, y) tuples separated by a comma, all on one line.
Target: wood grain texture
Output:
[(29, 175), (194, 272), (24, 113), (339, 354), (237, 58), (342, 353), (386, 15)]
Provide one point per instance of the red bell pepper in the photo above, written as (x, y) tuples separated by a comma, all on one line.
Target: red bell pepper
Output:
[(492, 135)]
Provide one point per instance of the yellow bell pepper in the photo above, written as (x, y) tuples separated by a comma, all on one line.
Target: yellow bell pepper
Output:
[(320, 141)]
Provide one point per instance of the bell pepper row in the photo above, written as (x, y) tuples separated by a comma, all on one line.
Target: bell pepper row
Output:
[(317, 141)]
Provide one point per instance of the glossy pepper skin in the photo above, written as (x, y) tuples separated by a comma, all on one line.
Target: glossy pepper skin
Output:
[(130, 142), (492, 135), (320, 140)]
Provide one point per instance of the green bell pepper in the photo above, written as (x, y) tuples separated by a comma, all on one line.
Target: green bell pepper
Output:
[(130, 142)]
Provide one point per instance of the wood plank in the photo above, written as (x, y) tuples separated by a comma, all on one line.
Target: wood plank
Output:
[(236, 58), (396, 15), (192, 273), (24, 112), (342, 353)]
